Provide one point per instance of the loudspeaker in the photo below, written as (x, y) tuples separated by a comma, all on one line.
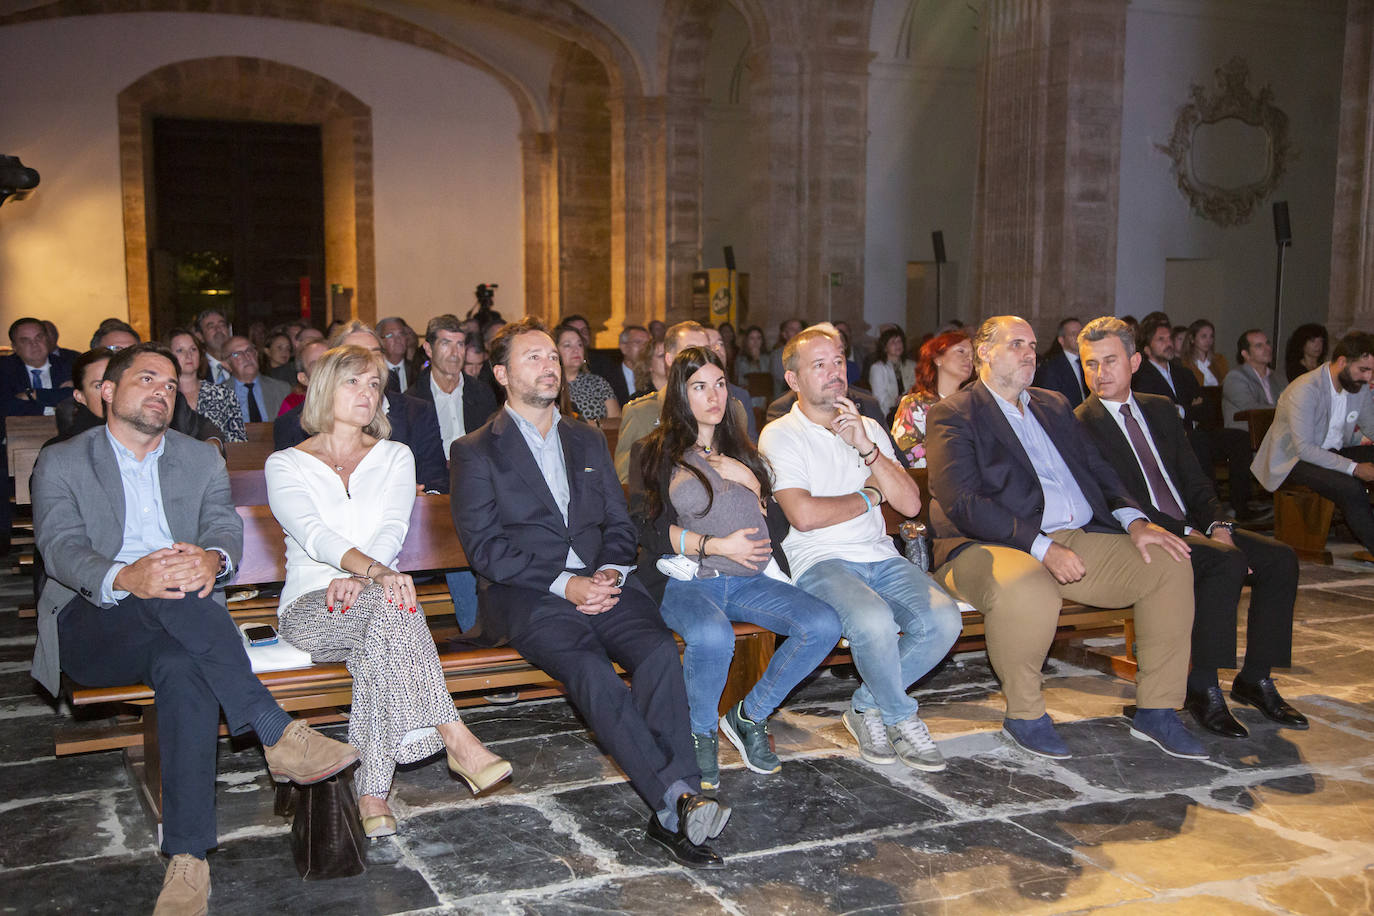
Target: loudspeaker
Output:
[(1283, 232), (937, 240), (729, 257)]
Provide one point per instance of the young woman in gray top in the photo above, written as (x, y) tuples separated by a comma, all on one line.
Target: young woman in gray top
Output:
[(700, 490)]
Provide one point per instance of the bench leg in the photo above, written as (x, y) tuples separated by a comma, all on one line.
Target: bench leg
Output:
[(1302, 520), (752, 654), (143, 763)]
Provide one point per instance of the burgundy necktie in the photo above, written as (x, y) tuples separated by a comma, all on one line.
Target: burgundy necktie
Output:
[(1164, 497)]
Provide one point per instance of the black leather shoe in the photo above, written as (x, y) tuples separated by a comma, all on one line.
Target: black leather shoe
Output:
[(1208, 709), (693, 855), (1264, 696), (701, 817)]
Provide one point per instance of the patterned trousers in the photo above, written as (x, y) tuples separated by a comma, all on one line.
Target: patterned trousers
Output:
[(398, 684)]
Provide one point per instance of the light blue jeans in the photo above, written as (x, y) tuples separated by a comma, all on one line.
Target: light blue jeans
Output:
[(701, 610), (899, 623), (462, 588)]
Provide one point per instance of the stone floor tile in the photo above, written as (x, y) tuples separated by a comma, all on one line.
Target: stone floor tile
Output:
[(667, 893), (1202, 905), (982, 867), (115, 885), (1336, 809), (1106, 756), (1321, 895), (991, 782), (1167, 842), (46, 830)]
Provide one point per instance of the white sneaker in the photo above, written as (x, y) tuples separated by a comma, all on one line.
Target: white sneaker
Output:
[(867, 729), (911, 740)]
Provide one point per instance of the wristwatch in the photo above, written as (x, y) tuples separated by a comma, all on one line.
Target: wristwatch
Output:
[(619, 578), (1229, 526)]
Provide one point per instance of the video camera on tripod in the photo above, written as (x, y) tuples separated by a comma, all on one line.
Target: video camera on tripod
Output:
[(16, 180)]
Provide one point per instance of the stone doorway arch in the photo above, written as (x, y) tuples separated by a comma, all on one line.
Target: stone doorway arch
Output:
[(253, 89)]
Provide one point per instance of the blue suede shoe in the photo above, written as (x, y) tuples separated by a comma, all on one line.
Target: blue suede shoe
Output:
[(1037, 736), (1162, 728)]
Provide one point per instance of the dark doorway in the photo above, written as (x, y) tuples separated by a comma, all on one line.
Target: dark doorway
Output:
[(238, 221)]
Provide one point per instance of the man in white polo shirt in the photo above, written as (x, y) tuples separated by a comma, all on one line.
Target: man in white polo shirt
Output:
[(832, 469)]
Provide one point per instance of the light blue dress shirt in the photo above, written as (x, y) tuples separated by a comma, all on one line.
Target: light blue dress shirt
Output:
[(145, 521), (548, 454), (1065, 505)]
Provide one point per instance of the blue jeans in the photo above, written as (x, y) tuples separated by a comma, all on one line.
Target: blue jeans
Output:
[(701, 610), (876, 602), (462, 587)]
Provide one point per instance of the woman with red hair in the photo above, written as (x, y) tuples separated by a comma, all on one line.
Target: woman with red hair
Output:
[(945, 365)]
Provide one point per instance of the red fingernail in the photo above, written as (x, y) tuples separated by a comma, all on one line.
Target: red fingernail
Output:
[(330, 608), (345, 610), (412, 610)]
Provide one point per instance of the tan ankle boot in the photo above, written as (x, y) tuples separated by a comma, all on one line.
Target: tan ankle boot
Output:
[(304, 756), (186, 889)]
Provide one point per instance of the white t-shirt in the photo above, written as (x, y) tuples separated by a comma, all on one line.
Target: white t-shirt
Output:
[(807, 456), (322, 520), (449, 408)]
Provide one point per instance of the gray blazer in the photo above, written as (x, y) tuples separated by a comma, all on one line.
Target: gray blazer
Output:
[(1242, 390), (1300, 423), (78, 520), (273, 393)]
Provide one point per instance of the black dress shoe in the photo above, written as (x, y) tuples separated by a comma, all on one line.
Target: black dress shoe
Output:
[(1208, 709), (1264, 696), (701, 817), (693, 855)]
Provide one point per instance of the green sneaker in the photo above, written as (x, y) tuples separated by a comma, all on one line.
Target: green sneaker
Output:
[(708, 759), (750, 739)]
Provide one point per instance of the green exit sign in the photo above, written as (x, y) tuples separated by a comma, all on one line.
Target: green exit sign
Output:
[(836, 278)]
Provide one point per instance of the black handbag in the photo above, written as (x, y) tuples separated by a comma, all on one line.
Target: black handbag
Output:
[(327, 839)]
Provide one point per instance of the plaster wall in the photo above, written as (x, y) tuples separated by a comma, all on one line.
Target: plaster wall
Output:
[(446, 160)]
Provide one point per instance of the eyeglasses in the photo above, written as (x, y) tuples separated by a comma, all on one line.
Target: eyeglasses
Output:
[(240, 354), (114, 348), (392, 334)]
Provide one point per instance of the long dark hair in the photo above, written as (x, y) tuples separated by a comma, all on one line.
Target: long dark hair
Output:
[(676, 434)]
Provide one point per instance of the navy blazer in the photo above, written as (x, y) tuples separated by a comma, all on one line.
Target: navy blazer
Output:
[(413, 422), (1057, 373), (511, 528), (15, 380), (1175, 454), (1185, 390), (982, 485), (479, 403)]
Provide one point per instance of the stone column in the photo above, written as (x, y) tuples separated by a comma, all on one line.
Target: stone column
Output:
[(1045, 208), (1352, 231), (638, 287), (780, 208), (539, 160)]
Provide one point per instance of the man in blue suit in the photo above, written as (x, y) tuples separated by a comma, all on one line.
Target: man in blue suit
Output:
[(1061, 370), (34, 378), (543, 520)]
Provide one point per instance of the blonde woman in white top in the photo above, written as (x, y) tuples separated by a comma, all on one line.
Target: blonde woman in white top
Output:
[(344, 498)]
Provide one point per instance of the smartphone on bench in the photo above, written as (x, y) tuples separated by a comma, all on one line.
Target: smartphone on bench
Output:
[(261, 635)]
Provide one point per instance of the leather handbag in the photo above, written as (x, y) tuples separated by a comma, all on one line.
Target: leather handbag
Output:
[(327, 839)]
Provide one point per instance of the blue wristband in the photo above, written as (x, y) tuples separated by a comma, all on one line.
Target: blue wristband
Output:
[(682, 542), (867, 501)]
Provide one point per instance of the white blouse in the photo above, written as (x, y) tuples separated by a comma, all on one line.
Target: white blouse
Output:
[(322, 520)]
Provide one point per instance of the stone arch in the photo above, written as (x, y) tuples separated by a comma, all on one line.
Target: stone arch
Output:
[(250, 88)]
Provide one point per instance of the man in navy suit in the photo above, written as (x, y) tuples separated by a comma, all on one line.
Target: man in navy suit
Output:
[(1027, 512), (33, 379), (412, 421), (1143, 437), (543, 520), (1160, 373), (1062, 370)]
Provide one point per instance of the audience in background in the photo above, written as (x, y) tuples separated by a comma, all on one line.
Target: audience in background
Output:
[(1253, 384), (587, 394), (786, 330), (945, 366), (86, 409), (216, 403), (259, 397), (892, 371), (277, 355), (214, 331), (1306, 350), (1199, 354), (401, 369), (306, 355), (1060, 369), (35, 377)]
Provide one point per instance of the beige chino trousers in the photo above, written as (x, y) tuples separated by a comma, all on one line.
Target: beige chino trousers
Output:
[(1020, 600)]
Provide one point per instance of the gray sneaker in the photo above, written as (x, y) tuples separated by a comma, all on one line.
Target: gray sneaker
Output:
[(867, 729), (911, 740), (708, 759)]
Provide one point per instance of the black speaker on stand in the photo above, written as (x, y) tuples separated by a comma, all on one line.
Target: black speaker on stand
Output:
[(937, 241), (1283, 237), (730, 279)]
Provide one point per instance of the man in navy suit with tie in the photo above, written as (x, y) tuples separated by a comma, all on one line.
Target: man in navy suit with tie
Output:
[(33, 379), (1144, 439), (1062, 370), (543, 520)]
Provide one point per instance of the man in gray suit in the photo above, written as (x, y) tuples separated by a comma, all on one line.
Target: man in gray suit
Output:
[(138, 528), (1318, 424), (259, 396), (1253, 383)]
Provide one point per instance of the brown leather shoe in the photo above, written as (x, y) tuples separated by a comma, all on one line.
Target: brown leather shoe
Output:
[(186, 889), (304, 756)]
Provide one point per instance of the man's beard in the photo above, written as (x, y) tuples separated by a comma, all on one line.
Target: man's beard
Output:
[(1347, 383), (142, 421)]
